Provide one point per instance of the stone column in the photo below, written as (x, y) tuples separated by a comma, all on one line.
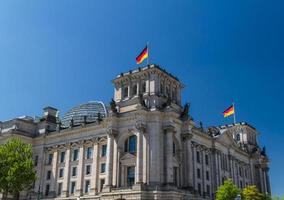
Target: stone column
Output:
[(193, 150), (79, 186), (169, 154), (94, 181), (145, 158), (214, 170), (203, 171), (114, 166), (109, 159), (54, 173), (261, 179), (189, 163), (139, 159), (65, 189), (118, 181), (267, 180)]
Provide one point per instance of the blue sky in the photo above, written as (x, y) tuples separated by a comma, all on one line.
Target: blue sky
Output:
[(63, 53)]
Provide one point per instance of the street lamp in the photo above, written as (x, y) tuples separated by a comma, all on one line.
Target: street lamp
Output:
[(238, 197)]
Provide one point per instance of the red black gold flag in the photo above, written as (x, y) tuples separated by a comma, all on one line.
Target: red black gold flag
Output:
[(229, 111), (142, 56)]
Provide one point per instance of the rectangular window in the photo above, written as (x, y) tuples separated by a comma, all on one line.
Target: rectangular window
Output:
[(36, 161), (75, 154), (206, 160), (47, 190), (104, 150), (103, 168), (144, 87), (87, 186), (176, 176), (59, 189), (102, 182), (74, 171), (125, 92), (207, 175), (88, 169), (130, 176), (208, 189), (240, 169), (49, 161), (89, 152), (199, 188), (61, 172), (48, 175), (198, 173), (62, 156), (198, 156), (134, 90), (73, 187)]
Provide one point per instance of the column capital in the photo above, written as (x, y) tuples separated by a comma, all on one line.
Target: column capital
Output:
[(169, 128), (186, 135), (111, 132), (140, 126)]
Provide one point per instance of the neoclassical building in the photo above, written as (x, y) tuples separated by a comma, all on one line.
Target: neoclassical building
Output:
[(144, 145)]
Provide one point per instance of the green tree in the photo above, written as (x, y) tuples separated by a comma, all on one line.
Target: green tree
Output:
[(16, 167), (227, 191), (252, 193)]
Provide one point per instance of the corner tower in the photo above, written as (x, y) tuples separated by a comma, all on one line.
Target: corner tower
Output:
[(151, 87)]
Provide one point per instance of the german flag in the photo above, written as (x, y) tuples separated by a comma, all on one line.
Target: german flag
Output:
[(229, 111), (142, 56)]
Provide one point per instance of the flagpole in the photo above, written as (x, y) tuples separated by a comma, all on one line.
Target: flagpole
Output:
[(234, 113), (148, 53)]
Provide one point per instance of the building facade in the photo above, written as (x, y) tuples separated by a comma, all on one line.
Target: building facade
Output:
[(144, 146)]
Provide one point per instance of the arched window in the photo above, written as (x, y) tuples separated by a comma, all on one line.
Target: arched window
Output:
[(238, 137), (174, 94), (130, 144), (168, 91), (134, 89), (125, 92), (144, 87), (162, 88)]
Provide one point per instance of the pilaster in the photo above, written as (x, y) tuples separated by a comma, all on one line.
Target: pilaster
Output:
[(94, 172), (54, 172), (169, 131), (109, 161), (65, 189), (79, 187)]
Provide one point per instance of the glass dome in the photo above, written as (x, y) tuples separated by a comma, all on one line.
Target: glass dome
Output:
[(88, 111)]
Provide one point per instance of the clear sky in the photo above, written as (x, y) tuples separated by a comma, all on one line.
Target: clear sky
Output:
[(63, 53)]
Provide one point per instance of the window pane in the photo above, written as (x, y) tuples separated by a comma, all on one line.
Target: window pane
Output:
[(130, 176), (89, 152), (75, 154), (62, 157), (87, 186), (104, 149), (132, 144), (103, 167), (134, 90)]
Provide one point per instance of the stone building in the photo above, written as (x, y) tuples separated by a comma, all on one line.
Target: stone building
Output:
[(144, 146)]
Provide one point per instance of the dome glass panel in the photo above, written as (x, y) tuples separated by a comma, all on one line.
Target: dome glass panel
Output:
[(88, 111)]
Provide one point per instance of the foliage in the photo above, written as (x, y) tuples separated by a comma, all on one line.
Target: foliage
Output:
[(252, 193), (227, 191), (16, 167), (277, 198)]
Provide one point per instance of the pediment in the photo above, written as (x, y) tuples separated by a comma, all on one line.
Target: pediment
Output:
[(128, 156)]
